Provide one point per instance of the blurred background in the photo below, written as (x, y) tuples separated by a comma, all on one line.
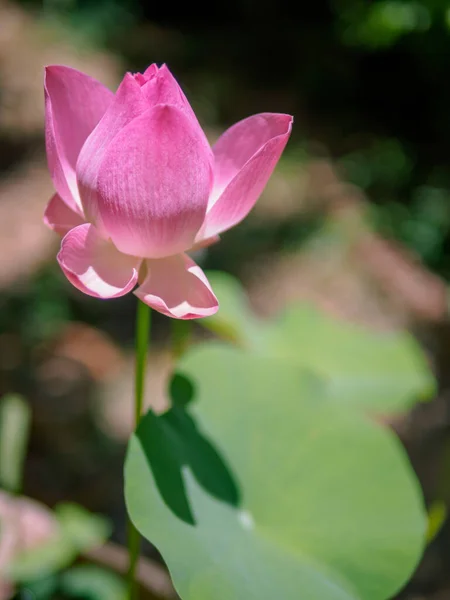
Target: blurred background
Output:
[(356, 217)]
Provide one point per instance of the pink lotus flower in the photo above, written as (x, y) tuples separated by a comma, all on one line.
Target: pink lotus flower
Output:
[(137, 185)]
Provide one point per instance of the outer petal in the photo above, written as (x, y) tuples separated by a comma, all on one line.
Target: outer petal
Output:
[(245, 155), (94, 266), (74, 104), (154, 183), (178, 288), (60, 217), (128, 104)]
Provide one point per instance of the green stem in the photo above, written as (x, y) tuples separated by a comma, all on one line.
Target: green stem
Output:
[(143, 321), (181, 333)]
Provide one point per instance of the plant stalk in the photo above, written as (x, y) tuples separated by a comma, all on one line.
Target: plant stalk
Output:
[(143, 321)]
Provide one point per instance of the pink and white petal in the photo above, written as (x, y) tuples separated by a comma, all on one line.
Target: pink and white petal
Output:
[(74, 104), (177, 287), (154, 184), (60, 217), (127, 104), (236, 146), (94, 266), (246, 156)]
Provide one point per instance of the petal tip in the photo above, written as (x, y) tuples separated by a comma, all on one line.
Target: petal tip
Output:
[(291, 122), (245, 157), (48, 223), (178, 288), (282, 119), (56, 70), (49, 69), (60, 217)]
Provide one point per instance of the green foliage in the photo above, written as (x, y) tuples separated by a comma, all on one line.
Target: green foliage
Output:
[(95, 21), (234, 321), (437, 516), (383, 373), (37, 309), (80, 527), (41, 562), (41, 589), (92, 583), (381, 23), (422, 225), (77, 530), (86, 582), (268, 476), (261, 487), (383, 165), (14, 428), (43, 570)]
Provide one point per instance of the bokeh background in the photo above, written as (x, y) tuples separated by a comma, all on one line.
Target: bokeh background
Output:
[(355, 219)]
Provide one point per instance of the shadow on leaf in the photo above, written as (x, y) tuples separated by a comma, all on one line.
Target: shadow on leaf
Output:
[(172, 443)]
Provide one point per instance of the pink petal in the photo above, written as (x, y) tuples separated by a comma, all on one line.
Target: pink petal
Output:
[(162, 88), (128, 104), (142, 78), (245, 155), (94, 266), (178, 288), (205, 243), (154, 183), (60, 217), (74, 104), (151, 70)]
